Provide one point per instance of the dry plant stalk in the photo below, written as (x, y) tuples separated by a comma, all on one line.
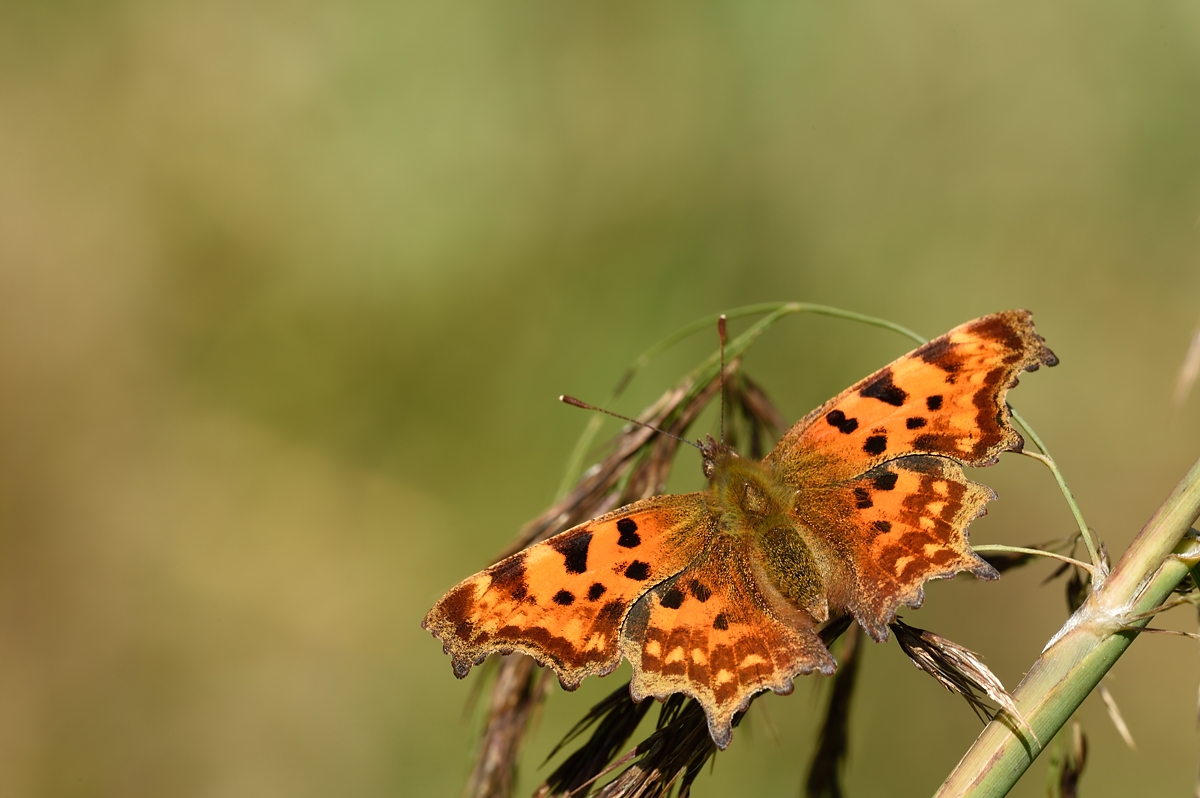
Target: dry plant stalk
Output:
[(518, 690), (833, 743), (958, 669)]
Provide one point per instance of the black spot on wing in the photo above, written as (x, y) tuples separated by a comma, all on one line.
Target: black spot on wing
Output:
[(885, 481), (837, 418), (565, 598), (720, 622), (876, 444), (916, 422), (701, 592), (934, 402), (629, 536), (883, 389), (672, 599), (638, 570), (574, 551), (862, 498), (883, 526), (596, 591)]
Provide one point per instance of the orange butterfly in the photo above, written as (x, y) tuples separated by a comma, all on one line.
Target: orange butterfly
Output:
[(718, 594)]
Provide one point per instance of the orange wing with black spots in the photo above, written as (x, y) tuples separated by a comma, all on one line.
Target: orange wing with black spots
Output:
[(718, 633), (563, 601), (945, 398), (894, 528), (880, 490)]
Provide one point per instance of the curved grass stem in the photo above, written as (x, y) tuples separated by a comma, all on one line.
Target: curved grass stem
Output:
[(1039, 552), (1100, 569)]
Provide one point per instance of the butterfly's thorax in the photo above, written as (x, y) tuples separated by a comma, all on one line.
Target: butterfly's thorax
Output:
[(746, 495), (753, 501)]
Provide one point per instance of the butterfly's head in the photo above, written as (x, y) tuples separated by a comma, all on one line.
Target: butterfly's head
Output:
[(717, 455)]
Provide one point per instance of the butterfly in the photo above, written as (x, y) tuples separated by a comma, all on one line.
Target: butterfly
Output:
[(719, 594)]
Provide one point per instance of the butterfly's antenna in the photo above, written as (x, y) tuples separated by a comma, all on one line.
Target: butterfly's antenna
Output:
[(571, 400), (721, 333)]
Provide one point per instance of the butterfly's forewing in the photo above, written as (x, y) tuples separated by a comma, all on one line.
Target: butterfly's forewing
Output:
[(563, 601), (712, 633), (869, 492), (944, 398)]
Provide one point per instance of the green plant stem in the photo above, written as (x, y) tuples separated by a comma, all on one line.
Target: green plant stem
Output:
[(1100, 571), (986, 547), (1086, 647)]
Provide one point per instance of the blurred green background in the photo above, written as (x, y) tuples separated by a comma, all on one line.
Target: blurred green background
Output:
[(287, 291)]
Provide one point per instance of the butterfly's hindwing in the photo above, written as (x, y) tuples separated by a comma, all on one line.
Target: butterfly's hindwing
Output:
[(711, 633), (896, 527)]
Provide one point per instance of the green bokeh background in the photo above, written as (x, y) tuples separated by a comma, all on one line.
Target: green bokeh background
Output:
[(287, 291)]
